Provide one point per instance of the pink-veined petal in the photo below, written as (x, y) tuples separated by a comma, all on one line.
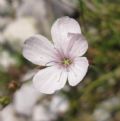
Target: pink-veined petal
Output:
[(78, 70), (38, 49), (77, 45), (61, 28), (50, 79)]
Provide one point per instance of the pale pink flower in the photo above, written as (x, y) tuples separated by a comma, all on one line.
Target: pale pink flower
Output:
[(62, 57)]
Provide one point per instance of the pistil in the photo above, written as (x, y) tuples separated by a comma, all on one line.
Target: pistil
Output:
[(66, 62)]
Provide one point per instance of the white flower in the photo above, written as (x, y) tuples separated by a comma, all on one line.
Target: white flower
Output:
[(59, 104), (25, 99), (63, 58), (6, 60), (41, 113), (8, 114), (19, 30)]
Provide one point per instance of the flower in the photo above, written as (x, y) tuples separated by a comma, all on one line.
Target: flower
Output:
[(59, 104), (6, 60), (8, 114), (19, 30), (25, 99), (62, 57), (42, 113), (50, 110)]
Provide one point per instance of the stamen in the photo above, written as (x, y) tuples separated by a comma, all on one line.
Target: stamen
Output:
[(66, 62)]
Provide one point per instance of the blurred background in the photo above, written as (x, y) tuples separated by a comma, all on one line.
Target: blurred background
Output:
[(96, 98)]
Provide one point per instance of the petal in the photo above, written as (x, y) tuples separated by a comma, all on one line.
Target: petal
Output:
[(50, 79), (78, 45), (38, 49), (78, 71), (61, 28)]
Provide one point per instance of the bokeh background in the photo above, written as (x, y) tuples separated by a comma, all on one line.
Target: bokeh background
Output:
[(96, 98)]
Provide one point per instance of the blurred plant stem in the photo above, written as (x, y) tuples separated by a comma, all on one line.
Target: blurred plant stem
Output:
[(101, 80)]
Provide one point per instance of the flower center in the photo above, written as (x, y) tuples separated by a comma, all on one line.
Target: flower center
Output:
[(66, 62)]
